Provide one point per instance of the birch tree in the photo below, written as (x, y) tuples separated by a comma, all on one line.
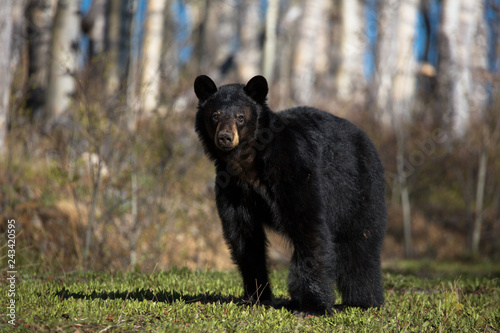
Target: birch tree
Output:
[(478, 102), (39, 14), (386, 58), (221, 34), (270, 42), (94, 23), (63, 63), (250, 53), (462, 88), (304, 64), (352, 48), (403, 92), (151, 56), (461, 21), (404, 80), (396, 70), (115, 68), (5, 71)]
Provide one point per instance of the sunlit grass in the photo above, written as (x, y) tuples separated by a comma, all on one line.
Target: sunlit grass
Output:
[(185, 300)]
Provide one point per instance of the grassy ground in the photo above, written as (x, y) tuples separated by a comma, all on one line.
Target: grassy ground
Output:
[(438, 300)]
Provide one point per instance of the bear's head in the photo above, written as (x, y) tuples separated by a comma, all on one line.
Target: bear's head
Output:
[(228, 116)]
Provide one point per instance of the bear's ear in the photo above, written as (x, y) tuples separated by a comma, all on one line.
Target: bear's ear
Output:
[(257, 88), (204, 87)]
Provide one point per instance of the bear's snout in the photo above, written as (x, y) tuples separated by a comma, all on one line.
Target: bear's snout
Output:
[(225, 140)]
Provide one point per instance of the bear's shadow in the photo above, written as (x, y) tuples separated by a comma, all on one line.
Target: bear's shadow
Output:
[(173, 296), (169, 297)]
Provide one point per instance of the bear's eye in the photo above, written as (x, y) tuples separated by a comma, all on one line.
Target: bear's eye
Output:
[(240, 119), (215, 117)]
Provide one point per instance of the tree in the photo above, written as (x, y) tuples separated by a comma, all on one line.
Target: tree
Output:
[(270, 41), (306, 50), (462, 87), (386, 58), (94, 23), (396, 70), (219, 37), (353, 46), (478, 100), (39, 16), (170, 48), (460, 24), (403, 92), (63, 64), (250, 52), (117, 42), (5, 71), (404, 79), (151, 55)]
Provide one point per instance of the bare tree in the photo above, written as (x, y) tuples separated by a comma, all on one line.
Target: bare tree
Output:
[(250, 52), (396, 70), (404, 80), (478, 221), (114, 39), (5, 70), (350, 78), (151, 55), (63, 63), (403, 92), (170, 47), (459, 26), (478, 101), (220, 34), (304, 64), (386, 58), (40, 14), (94, 23), (270, 42)]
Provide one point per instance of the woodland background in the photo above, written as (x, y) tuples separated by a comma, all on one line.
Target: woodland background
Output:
[(101, 168)]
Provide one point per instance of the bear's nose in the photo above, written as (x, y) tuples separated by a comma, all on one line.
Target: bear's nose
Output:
[(225, 139)]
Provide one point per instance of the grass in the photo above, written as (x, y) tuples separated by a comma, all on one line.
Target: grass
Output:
[(208, 301)]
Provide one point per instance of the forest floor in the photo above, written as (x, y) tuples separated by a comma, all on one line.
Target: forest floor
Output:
[(419, 296)]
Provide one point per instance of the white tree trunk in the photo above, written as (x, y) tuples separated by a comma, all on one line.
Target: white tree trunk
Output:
[(462, 22), (270, 42), (5, 70), (151, 56), (350, 78), (404, 82), (395, 86), (40, 15), (304, 64), (170, 67), (323, 41), (478, 221), (403, 91), (63, 63), (113, 73), (386, 59), (249, 54), (132, 76), (94, 23), (220, 38)]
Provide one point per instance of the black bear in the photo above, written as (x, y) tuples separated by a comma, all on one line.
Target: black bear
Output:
[(311, 176)]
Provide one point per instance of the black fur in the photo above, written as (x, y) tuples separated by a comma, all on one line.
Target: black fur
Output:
[(311, 176)]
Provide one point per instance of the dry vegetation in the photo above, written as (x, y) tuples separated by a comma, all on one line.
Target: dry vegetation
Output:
[(55, 185)]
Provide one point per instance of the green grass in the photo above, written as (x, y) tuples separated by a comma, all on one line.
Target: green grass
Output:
[(208, 301)]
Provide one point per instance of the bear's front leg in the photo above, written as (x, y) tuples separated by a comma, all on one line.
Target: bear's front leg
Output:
[(247, 243), (248, 251)]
